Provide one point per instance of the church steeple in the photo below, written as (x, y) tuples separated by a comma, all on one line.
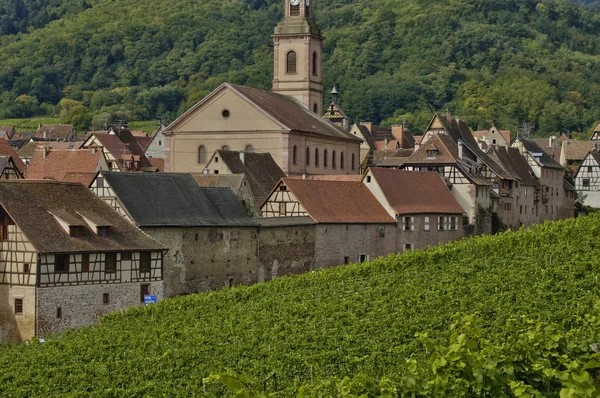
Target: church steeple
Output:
[(298, 46)]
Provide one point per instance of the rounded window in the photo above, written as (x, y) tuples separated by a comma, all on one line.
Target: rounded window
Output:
[(225, 113)]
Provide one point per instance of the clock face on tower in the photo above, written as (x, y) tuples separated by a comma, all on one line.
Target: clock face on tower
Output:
[(294, 2)]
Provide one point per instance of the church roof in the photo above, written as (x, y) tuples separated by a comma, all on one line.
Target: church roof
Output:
[(291, 113)]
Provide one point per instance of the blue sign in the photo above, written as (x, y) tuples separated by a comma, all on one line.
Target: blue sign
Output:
[(148, 299)]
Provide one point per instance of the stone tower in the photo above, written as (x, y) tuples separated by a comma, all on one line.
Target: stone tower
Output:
[(298, 48)]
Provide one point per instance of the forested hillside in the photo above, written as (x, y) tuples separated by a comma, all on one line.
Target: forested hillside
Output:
[(355, 320), (507, 61)]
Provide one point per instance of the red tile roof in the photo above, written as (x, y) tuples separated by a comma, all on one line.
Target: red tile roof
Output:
[(344, 202), (158, 163), (7, 150), (58, 163), (416, 192), (85, 179), (327, 177)]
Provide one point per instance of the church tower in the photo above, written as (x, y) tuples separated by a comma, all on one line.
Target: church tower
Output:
[(298, 48)]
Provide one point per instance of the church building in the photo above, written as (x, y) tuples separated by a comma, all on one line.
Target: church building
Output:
[(285, 122)]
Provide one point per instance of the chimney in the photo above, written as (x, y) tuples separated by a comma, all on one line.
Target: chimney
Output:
[(205, 171), (304, 176), (243, 157), (551, 141), (386, 142), (368, 125), (93, 150), (460, 149), (44, 151), (398, 133), (563, 153)]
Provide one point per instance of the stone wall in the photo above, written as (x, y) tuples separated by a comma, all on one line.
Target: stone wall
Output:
[(286, 250), (342, 243), (16, 327), (82, 305), (206, 258), (421, 238)]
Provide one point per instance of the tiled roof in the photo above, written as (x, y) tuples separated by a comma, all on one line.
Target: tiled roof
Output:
[(158, 163), (231, 181), (512, 160), (330, 177), (367, 134), (28, 149), (291, 113), (142, 141), (443, 143), (29, 204), (345, 202), (578, 150), (546, 160), (261, 171), (175, 200), (7, 150), (123, 145), (55, 131), (416, 192), (58, 162), (7, 131), (85, 179)]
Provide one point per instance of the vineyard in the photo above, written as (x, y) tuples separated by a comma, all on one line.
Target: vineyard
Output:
[(382, 328)]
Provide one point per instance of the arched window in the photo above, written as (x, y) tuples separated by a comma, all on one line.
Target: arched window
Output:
[(333, 160), (316, 157), (325, 158), (291, 62), (225, 148), (201, 154), (315, 108), (314, 64), (353, 162), (307, 157), (295, 155), (249, 149), (342, 160)]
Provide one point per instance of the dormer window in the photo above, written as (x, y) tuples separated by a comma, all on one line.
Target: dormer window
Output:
[(76, 230), (431, 154), (103, 231)]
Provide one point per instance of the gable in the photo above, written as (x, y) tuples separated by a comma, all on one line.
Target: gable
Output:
[(207, 116)]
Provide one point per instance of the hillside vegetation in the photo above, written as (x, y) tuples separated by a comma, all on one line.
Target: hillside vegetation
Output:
[(502, 61), (344, 321)]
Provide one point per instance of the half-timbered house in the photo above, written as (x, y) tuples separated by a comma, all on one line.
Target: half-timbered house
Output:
[(425, 211), (67, 258), (212, 240), (587, 179), (62, 164), (351, 225), (121, 148), (8, 169)]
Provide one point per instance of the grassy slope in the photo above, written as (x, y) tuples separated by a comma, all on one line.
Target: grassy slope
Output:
[(343, 321)]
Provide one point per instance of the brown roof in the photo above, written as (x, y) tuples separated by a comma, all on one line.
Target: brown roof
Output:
[(261, 171), (142, 141), (58, 162), (346, 202), (231, 181), (512, 160), (418, 138), (7, 150), (123, 145), (291, 113), (545, 160), (84, 179), (55, 131), (578, 150), (158, 163), (30, 204), (416, 192), (29, 149), (341, 177), (445, 145), (8, 130)]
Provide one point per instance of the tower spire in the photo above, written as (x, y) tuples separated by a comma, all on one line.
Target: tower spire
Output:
[(334, 95)]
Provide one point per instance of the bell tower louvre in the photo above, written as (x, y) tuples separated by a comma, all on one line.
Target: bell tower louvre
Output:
[(298, 46)]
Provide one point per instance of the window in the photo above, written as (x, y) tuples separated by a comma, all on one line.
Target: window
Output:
[(408, 247), (346, 260), (249, 149), (325, 158), (333, 160), (216, 171), (368, 179), (382, 231), (144, 291), (316, 157), (431, 154), (342, 161), (225, 148), (230, 282), (315, 108), (85, 262), (225, 113), (100, 182), (201, 154), (106, 299), (4, 233), (216, 159), (26, 268), (61, 263), (126, 256), (452, 223), (291, 62), (440, 224), (363, 257), (103, 231), (307, 157), (426, 228), (507, 206), (282, 209), (294, 10), (145, 262), (353, 162), (314, 64), (18, 306), (59, 313), (110, 262), (295, 154), (408, 224)]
